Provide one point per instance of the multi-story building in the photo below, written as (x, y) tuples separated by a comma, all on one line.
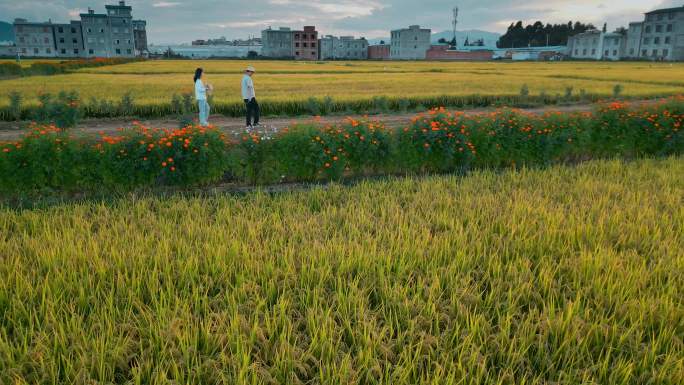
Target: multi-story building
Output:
[(305, 43), (663, 34), (34, 39), (140, 37), (121, 24), (379, 52), (69, 39), (586, 45), (277, 43), (410, 43), (633, 40), (614, 45), (345, 47), (96, 35)]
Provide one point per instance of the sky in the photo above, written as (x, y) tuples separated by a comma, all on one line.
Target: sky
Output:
[(181, 21)]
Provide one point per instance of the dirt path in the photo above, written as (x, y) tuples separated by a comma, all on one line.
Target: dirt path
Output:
[(14, 130)]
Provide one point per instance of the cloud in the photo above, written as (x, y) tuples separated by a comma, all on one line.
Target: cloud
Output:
[(166, 4)]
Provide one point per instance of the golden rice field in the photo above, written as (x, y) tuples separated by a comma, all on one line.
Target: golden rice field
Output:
[(569, 275), (153, 82)]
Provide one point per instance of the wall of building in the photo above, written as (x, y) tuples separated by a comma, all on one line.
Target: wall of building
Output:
[(379, 52), (121, 29), (587, 45), (305, 43), (633, 41), (140, 37), (34, 39), (277, 43), (442, 52), (663, 35), (345, 47), (69, 39), (410, 44)]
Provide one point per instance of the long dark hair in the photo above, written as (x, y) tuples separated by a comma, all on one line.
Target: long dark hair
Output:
[(198, 74)]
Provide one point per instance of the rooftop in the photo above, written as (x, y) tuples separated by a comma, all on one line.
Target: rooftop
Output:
[(122, 5), (667, 10)]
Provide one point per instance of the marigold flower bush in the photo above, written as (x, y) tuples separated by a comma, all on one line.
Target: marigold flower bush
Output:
[(436, 141), (48, 157)]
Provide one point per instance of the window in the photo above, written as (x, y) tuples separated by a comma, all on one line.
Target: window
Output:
[(73, 30), (129, 41), (45, 29), (660, 16), (648, 29), (669, 28), (297, 53), (117, 42), (667, 40), (75, 51), (631, 51), (90, 51), (614, 52), (576, 51), (655, 52), (128, 51), (46, 40), (90, 30), (63, 51), (35, 50), (665, 52), (659, 28), (61, 40), (313, 45), (118, 51), (297, 45), (607, 53), (296, 36), (304, 45), (593, 51), (644, 53), (656, 40), (584, 51), (647, 41), (48, 50), (313, 53), (60, 30), (101, 30)]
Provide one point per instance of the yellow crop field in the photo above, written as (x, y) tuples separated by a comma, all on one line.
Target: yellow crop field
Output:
[(153, 82), (566, 275)]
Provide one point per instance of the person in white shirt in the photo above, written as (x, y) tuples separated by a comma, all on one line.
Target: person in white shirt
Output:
[(249, 96), (201, 91)]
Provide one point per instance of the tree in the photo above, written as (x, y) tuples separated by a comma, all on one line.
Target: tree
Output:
[(539, 34), (442, 40)]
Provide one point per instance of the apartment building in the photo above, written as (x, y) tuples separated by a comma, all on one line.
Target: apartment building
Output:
[(344, 47), (34, 39), (277, 43), (109, 34), (663, 34), (586, 45), (410, 43), (633, 40), (614, 45), (140, 37), (68, 39), (305, 43)]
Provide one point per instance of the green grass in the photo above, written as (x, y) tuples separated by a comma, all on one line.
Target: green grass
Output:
[(560, 276)]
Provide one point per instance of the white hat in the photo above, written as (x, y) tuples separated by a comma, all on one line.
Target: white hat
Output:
[(250, 69)]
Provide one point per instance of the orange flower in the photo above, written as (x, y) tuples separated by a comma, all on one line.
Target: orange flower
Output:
[(163, 164)]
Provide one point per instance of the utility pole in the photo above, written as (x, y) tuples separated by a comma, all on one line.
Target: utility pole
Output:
[(454, 23)]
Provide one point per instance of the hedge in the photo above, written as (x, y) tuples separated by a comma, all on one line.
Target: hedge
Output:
[(48, 158)]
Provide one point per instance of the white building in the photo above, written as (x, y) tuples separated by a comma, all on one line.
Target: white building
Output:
[(345, 47), (586, 45), (410, 43), (663, 34)]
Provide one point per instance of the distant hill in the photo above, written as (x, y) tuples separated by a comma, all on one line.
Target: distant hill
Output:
[(489, 38), (6, 32)]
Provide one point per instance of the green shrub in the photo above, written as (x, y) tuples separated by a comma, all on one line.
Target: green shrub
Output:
[(15, 105), (64, 111), (10, 69)]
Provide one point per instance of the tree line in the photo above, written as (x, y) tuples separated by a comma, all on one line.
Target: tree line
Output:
[(539, 34)]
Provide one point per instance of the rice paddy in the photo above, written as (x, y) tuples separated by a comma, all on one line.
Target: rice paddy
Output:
[(153, 82), (566, 275)]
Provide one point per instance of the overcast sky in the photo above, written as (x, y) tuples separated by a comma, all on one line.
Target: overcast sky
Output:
[(171, 21)]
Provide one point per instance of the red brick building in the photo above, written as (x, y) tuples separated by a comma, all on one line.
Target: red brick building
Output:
[(305, 44), (379, 52), (442, 52)]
